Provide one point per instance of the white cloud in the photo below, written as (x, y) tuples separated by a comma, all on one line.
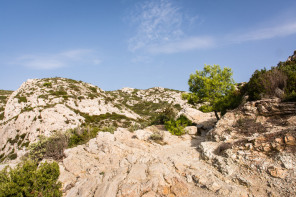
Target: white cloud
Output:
[(183, 45), (157, 21), (141, 58), (161, 28), (268, 33), (58, 60)]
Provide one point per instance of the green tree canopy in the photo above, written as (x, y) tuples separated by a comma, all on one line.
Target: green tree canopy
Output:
[(210, 86)]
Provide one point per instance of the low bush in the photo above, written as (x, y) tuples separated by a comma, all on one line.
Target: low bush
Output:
[(157, 137), (80, 136), (264, 83), (177, 127), (169, 113), (231, 101), (47, 84), (51, 147), (93, 89), (22, 99), (27, 179), (290, 96)]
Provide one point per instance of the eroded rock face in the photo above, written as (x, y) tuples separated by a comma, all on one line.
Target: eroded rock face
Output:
[(260, 135), (121, 165)]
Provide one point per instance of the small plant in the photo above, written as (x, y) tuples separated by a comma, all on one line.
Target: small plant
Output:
[(12, 156), (93, 89), (177, 127), (22, 99), (109, 129), (47, 84), (157, 136), (168, 113), (81, 135)]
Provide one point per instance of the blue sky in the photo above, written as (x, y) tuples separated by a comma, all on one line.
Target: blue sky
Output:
[(141, 44)]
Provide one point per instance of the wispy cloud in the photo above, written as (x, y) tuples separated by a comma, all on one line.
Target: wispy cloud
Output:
[(163, 27), (159, 25), (281, 30), (183, 45), (58, 60)]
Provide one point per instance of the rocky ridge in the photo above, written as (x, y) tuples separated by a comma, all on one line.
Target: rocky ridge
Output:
[(44, 106)]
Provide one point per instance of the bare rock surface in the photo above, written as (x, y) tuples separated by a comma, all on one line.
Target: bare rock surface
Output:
[(120, 165), (261, 136)]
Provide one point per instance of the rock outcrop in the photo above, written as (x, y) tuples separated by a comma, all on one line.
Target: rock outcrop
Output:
[(126, 164), (261, 136)]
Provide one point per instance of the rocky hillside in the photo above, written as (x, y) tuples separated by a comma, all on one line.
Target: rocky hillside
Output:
[(44, 106), (4, 95), (250, 152)]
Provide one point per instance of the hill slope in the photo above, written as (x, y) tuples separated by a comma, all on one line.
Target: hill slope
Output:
[(44, 106)]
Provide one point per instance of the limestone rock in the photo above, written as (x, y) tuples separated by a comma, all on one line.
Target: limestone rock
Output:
[(191, 130)]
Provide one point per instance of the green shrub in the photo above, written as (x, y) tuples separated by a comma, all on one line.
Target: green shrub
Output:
[(91, 96), (80, 136), (291, 96), (12, 156), (47, 84), (22, 99), (109, 129), (289, 67), (177, 127), (230, 101), (157, 137), (93, 89), (264, 83), (168, 114), (60, 92), (27, 179), (51, 147), (43, 96)]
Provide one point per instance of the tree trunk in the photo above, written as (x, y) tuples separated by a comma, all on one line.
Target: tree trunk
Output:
[(216, 114)]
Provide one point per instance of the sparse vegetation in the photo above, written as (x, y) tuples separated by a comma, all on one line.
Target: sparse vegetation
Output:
[(248, 127)]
